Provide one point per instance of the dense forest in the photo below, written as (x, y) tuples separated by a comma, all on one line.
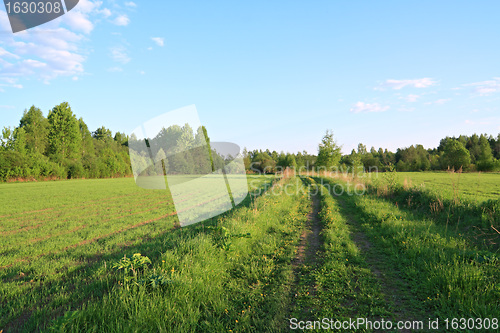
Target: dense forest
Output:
[(60, 146)]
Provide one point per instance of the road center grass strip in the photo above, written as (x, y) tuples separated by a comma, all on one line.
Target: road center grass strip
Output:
[(345, 287)]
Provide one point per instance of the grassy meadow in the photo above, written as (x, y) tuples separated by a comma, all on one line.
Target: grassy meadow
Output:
[(475, 186), (107, 256)]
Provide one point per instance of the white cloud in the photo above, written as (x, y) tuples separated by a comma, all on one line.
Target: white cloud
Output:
[(79, 22), (122, 20), (79, 18), (439, 101), (485, 88), (142, 72), (405, 109), (150, 48), (484, 122), (119, 54), (411, 98), (11, 85), (5, 53), (158, 40), (442, 101), (130, 4), (399, 84), (51, 50), (115, 69), (367, 107), (105, 12), (88, 6)]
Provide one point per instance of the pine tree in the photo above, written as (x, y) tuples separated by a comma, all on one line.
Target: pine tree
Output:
[(328, 152)]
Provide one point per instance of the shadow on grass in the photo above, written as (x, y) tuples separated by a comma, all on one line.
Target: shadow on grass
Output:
[(474, 220)]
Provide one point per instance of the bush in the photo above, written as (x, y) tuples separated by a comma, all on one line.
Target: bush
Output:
[(76, 170)]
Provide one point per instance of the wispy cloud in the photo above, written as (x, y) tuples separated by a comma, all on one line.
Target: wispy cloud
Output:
[(105, 12), (367, 107), (405, 109), (158, 40), (439, 101), (473, 122), (121, 20), (399, 84), (115, 69), (485, 88), (5, 53), (119, 54), (79, 19), (411, 98), (130, 4)]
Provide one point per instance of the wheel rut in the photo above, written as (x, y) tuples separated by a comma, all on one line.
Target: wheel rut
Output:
[(396, 290), (306, 258)]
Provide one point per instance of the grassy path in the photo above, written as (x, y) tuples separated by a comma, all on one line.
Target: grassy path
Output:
[(397, 292), (335, 281), (306, 259), (424, 270), (232, 276)]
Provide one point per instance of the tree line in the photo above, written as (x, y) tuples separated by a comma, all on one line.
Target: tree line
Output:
[(60, 146), (469, 153)]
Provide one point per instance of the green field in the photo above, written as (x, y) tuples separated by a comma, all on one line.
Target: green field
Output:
[(471, 186), (292, 249), (56, 235)]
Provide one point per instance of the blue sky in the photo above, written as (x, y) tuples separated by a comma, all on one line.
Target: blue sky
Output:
[(266, 74)]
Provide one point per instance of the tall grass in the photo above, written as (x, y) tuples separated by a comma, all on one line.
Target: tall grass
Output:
[(242, 286), (451, 276)]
